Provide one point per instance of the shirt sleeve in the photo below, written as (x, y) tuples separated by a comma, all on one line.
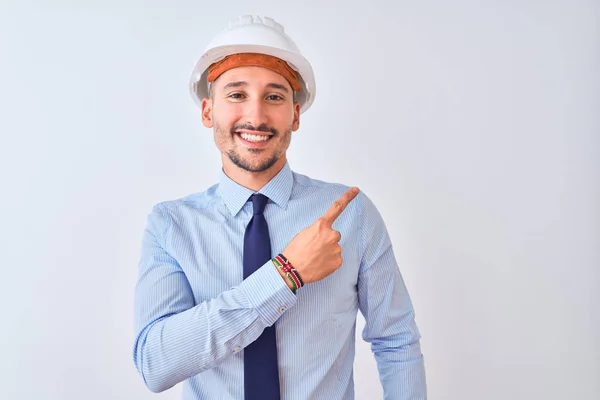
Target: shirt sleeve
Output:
[(176, 338), (390, 318)]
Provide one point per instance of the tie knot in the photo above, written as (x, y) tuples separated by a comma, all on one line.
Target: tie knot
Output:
[(259, 201)]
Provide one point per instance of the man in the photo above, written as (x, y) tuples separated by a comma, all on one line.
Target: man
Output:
[(250, 289)]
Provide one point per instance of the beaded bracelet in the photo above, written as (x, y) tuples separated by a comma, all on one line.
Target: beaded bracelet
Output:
[(284, 265), (288, 275), (289, 268)]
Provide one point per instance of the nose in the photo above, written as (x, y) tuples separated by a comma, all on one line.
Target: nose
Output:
[(256, 113)]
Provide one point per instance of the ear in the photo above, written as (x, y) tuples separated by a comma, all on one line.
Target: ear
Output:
[(207, 120), (296, 123)]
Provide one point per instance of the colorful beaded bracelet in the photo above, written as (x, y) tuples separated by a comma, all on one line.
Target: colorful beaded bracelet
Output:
[(288, 269)]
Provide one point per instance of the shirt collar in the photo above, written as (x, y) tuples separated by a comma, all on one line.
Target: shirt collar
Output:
[(278, 190)]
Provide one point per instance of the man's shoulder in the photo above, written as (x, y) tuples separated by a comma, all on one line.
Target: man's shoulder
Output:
[(327, 192), (306, 182), (197, 200)]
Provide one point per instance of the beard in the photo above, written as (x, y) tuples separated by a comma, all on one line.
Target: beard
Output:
[(244, 163)]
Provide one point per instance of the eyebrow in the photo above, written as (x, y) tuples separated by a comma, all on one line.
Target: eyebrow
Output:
[(238, 84), (235, 84), (278, 86)]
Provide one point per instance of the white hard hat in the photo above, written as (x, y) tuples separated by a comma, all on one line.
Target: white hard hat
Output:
[(254, 34)]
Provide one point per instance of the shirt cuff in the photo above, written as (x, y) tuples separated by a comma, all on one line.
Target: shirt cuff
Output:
[(268, 293)]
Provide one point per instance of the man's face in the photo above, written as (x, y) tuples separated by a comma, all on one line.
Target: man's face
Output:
[(253, 115)]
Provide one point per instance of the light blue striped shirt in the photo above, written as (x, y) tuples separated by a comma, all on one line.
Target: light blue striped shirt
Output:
[(194, 314)]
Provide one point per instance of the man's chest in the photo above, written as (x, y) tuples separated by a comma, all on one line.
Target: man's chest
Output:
[(209, 249)]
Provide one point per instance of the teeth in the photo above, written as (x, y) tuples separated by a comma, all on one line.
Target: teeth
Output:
[(253, 138)]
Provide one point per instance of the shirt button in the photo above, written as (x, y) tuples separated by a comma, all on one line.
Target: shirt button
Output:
[(237, 348), (282, 309)]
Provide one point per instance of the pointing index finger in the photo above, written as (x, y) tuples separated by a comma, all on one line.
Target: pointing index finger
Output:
[(339, 205)]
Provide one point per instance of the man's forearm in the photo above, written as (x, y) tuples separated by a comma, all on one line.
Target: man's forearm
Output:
[(173, 348)]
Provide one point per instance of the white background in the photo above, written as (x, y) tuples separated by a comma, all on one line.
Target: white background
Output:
[(473, 125)]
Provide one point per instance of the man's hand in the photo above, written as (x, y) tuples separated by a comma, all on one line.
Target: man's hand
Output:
[(315, 252)]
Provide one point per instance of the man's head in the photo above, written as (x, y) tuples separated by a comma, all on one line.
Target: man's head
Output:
[(252, 84), (252, 112)]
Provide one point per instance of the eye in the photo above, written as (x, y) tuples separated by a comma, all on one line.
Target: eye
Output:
[(274, 97), (236, 96)]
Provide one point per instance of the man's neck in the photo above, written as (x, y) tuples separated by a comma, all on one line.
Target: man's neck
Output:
[(252, 180)]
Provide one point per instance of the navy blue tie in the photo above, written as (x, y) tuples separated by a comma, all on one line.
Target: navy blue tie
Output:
[(261, 376)]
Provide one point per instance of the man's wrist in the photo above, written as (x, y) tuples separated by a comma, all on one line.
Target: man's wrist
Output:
[(284, 276), (287, 269)]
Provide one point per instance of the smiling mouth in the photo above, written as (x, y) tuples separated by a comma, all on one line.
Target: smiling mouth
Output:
[(253, 136)]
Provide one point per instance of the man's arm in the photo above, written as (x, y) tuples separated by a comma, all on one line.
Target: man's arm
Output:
[(176, 338), (385, 303)]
